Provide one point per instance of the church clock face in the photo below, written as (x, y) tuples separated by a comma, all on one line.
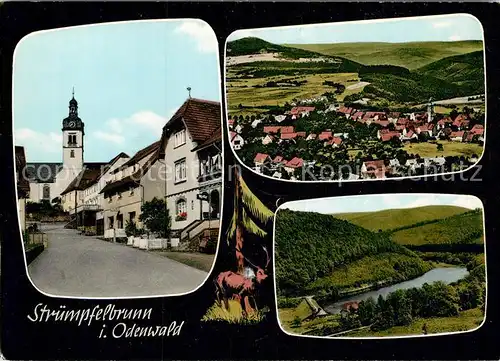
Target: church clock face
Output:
[(72, 124)]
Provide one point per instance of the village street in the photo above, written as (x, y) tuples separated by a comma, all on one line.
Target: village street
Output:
[(83, 266)]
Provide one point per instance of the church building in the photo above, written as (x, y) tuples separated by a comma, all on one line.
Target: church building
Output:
[(48, 180)]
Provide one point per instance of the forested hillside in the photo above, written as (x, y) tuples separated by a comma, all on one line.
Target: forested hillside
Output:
[(311, 246), (466, 71), (252, 45)]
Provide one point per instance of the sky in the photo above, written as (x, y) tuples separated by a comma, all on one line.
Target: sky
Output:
[(129, 79), (429, 28), (378, 202)]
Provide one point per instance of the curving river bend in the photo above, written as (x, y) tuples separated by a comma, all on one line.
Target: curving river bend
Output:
[(447, 275)]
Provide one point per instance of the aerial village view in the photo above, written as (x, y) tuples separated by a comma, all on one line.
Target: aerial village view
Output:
[(360, 100)]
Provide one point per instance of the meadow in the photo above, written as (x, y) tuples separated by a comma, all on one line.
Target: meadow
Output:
[(459, 229), (411, 55), (465, 321), (396, 218), (427, 149)]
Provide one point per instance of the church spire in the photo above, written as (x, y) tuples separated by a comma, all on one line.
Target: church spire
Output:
[(73, 104)]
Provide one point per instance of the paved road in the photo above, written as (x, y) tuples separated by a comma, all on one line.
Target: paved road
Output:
[(81, 266)]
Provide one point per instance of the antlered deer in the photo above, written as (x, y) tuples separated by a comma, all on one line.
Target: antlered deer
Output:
[(232, 285)]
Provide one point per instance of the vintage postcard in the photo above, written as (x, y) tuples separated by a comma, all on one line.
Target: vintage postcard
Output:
[(248, 181)]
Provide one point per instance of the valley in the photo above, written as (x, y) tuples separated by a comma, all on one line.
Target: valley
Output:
[(356, 265)]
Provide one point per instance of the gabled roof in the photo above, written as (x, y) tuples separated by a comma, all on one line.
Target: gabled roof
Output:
[(260, 157), (140, 154), (279, 159), (381, 122), (297, 110), (296, 162), (111, 163), (88, 176), (357, 115), (325, 135), (335, 140), (374, 164), (215, 137), (201, 117), (457, 134), (135, 178), (288, 135), (275, 128), (389, 135), (120, 183)]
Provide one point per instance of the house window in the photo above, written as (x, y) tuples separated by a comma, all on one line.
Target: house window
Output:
[(181, 206), (180, 138), (119, 221), (180, 170), (131, 216), (46, 191), (72, 153), (192, 205), (204, 169), (111, 222)]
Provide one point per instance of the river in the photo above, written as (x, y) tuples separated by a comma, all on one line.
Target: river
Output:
[(445, 274)]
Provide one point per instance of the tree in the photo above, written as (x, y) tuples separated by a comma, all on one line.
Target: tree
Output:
[(453, 114), (366, 311), (132, 230), (248, 210), (470, 294), (296, 322), (440, 147), (155, 217), (402, 307)]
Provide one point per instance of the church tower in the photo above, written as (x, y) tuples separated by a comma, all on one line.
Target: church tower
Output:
[(73, 132), (430, 111)]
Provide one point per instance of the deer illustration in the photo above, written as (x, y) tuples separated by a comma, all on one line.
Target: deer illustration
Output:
[(241, 287)]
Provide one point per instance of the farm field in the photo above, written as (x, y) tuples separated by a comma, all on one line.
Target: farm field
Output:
[(411, 55), (426, 149), (395, 218), (465, 321), (242, 91)]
